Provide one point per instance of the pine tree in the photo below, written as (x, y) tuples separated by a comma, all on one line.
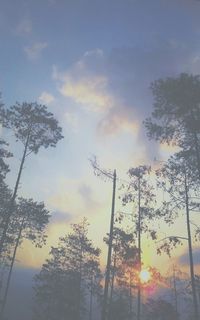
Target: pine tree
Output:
[(176, 115), (34, 127), (65, 279)]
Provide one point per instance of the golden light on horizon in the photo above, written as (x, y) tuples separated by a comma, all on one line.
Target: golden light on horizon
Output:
[(144, 275)]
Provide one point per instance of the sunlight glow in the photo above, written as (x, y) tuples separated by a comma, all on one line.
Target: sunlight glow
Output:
[(145, 276)]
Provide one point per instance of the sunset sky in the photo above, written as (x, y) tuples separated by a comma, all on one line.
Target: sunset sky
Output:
[(91, 62)]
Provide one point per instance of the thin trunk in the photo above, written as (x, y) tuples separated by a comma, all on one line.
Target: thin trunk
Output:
[(11, 206), (175, 292), (139, 250), (194, 295), (130, 294), (107, 277), (11, 269), (79, 288), (91, 299), (196, 142)]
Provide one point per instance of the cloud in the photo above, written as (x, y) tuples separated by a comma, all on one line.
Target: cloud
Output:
[(117, 121), (84, 85), (34, 51), (46, 98), (116, 86), (89, 92), (88, 85)]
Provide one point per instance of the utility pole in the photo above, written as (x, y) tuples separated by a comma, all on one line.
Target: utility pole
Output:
[(107, 174), (108, 266)]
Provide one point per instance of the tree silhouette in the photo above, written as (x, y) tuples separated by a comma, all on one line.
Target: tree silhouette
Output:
[(34, 127), (30, 220), (176, 115), (71, 272), (178, 181), (141, 194)]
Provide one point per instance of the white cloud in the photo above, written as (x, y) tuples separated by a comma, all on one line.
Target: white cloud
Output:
[(118, 121), (87, 83), (34, 51), (46, 98), (90, 92), (84, 84)]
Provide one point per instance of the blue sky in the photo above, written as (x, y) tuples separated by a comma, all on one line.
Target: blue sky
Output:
[(91, 62)]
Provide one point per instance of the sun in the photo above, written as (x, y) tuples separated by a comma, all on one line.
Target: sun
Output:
[(144, 275)]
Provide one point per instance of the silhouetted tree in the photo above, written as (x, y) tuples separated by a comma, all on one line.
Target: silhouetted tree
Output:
[(141, 193), (176, 115), (65, 278), (30, 219), (124, 263), (34, 127), (178, 180)]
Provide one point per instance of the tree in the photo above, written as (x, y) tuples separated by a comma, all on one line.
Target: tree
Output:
[(28, 222), (4, 154), (160, 310), (66, 277), (124, 263), (34, 127), (141, 193), (177, 179), (176, 115)]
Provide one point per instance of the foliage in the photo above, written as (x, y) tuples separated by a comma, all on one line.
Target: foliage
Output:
[(63, 283)]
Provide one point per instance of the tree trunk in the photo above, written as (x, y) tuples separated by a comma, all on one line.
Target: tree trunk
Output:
[(130, 295), (175, 292), (107, 277), (139, 250), (11, 207), (91, 299), (11, 269), (194, 295)]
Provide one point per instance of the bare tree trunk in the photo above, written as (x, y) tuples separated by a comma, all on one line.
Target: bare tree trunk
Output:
[(11, 269), (130, 294), (107, 277), (11, 207), (139, 249), (175, 292), (91, 299), (194, 295)]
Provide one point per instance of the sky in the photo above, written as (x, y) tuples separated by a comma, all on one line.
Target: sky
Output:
[(91, 62)]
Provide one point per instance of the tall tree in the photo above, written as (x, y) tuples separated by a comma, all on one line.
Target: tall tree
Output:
[(141, 193), (65, 278), (176, 115), (124, 264), (30, 219), (34, 127), (178, 180)]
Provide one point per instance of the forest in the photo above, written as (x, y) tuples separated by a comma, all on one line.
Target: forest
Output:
[(72, 283), (100, 160)]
